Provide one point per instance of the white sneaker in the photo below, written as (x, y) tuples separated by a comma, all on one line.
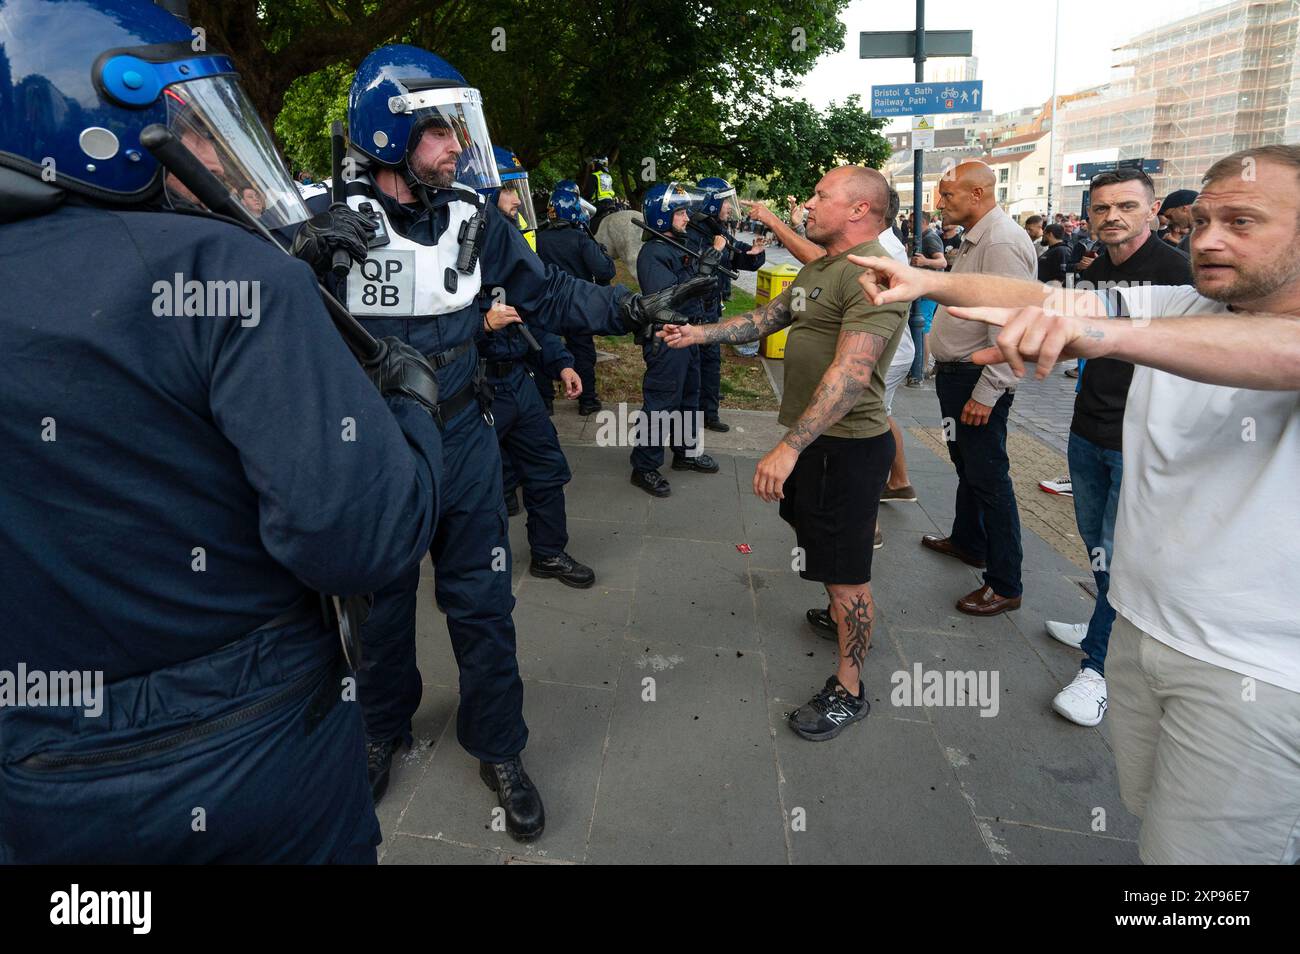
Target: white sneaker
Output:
[(1062, 486), (1069, 633), (1084, 700)]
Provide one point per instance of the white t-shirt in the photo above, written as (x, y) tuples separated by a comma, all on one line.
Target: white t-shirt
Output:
[(1207, 537), (906, 349)]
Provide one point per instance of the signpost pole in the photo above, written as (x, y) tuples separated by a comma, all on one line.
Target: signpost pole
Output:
[(918, 155)]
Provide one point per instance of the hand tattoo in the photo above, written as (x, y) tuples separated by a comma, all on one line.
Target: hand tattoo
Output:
[(751, 326), (858, 620), (856, 355)]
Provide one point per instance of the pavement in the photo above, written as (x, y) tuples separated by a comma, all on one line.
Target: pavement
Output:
[(657, 699)]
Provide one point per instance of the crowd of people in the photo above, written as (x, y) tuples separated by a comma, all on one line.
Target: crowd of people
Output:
[(226, 520)]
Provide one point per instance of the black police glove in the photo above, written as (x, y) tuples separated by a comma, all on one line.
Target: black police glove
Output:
[(643, 315), (710, 259), (400, 369), (337, 228)]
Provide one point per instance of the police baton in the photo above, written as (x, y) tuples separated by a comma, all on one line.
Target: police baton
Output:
[(185, 166), (685, 248), (342, 261)]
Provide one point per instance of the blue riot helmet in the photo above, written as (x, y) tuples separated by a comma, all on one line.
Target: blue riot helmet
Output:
[(663, 201), (568, 185), (514, 186), (719, 199), (411, 110), (84, 78), (568, 207)]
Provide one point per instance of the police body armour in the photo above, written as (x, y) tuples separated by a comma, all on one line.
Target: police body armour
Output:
[(405, 279)]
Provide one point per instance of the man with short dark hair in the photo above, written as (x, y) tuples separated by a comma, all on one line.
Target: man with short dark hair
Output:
[(1122, 203), (1034, 228), (1055, 256)]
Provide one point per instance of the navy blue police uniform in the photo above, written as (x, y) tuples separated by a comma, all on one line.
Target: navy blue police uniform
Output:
[(672, 375), (530, 447), (571, 249), (735, 257), (198, 457), (161, 529)]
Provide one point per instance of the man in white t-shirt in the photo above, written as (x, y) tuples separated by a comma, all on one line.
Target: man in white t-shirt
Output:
[(1204, 660)]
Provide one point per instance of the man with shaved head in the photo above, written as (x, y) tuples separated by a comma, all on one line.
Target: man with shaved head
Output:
[(830, 468), (974, 400)]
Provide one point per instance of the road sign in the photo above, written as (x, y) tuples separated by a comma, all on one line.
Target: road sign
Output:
[(893, 44), (909, 99), (922, 132), (1085, 171)]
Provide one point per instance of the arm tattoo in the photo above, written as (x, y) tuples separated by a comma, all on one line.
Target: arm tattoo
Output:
[(840, 387), (751, 326), (858, 621)]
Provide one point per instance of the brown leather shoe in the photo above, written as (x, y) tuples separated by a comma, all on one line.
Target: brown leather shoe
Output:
[(984, 602), (942, 545)]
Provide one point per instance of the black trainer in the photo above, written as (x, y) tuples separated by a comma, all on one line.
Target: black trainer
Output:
[(827, 713), (702, 463), (652, 482), (590, 408), (379, 763), (822, 621), (516, 793), (512, 503), (716, 424), (564, 568)]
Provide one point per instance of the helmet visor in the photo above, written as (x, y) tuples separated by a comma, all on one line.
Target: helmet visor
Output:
[(681, 195), (727, 205), (515, 187), (449, 138), (213, 118)]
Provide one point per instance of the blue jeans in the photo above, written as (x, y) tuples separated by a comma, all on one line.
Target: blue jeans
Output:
[(916, 327), (1095, 474), (987, 522)]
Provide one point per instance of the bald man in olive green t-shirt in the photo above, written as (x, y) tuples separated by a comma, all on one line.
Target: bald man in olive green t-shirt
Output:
[(830, 468)]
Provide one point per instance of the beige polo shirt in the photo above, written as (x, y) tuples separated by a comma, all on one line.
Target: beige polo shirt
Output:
[(994, 245)]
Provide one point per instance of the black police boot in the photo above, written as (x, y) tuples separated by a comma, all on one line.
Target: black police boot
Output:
[(512, 502), (379, 763), (652, 482), (516, 793), (591, 407), (715, 424), (703, 464), (564, 568)]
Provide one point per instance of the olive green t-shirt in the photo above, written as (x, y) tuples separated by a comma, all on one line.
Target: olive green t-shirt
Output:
[(827, 299)]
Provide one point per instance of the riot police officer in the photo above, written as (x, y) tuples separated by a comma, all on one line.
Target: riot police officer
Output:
[(568, 246), (711, 228), (196, 456), (671, 386), (531, 456), (421, 146)]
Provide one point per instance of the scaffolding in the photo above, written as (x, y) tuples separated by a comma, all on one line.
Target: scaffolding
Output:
[(1192, 91)]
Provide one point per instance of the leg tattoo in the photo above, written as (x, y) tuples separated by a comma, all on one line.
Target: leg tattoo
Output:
[(858, 621)]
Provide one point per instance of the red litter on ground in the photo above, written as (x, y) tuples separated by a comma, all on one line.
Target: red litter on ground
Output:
[(743, 547)]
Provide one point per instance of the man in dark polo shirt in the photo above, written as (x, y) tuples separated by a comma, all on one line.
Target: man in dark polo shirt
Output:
[(830, 468), (1122, 205)]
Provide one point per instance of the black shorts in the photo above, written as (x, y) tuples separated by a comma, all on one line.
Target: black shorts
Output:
[(831, 499)]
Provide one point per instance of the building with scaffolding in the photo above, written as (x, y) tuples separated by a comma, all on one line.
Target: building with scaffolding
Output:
[(1187, 93)]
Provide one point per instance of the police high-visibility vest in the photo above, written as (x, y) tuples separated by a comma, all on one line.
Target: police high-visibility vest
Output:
[(604, 185), (529, 234)]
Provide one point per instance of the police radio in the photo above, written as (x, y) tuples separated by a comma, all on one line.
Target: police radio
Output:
[(380, 238), (470, 238)]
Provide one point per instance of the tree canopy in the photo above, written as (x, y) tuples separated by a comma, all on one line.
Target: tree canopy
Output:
[(672, 88)]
